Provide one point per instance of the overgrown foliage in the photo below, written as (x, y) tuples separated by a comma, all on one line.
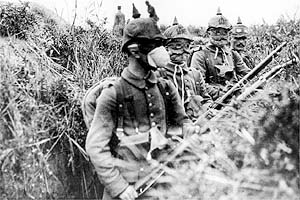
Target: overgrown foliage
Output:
[(16, 20), (44, 77)]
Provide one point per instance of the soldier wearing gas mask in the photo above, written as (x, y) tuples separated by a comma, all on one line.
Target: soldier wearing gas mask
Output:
[(188, 81), (220, 66), (124, 133), (239, 35)]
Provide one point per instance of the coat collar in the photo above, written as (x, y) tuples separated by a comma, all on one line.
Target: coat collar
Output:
[(138, 82), (170, 67), (213, 48)]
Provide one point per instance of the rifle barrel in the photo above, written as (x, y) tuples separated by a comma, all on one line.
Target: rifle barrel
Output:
[(263, 63), (251, 74), (266, 77)]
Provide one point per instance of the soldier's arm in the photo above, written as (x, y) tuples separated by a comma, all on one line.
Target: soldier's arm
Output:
[(178, 115), (97, 143), (241, 67), (198, 62), (203, 90), (122, 20), (151, 11), (116, 20)]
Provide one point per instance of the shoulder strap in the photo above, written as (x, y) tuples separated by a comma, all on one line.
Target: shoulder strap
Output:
[(120, 106), (129, 100), (122, 88)]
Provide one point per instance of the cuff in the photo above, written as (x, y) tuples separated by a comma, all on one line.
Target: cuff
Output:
[(116, 187)]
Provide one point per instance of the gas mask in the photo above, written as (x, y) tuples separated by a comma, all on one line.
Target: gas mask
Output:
[(219, 36), (158, 57), (238, 44), (179, 51)]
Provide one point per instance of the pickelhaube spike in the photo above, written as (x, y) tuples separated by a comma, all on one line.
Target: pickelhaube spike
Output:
[(219, 11), (135, 12), (239, 21), (175, 22)]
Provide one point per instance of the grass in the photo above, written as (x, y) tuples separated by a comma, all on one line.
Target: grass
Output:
[(44, 77)]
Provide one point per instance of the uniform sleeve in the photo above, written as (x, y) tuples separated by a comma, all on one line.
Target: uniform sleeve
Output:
[(202, 88), (198, 62), (97, 143), (177, 114), (241, 67)]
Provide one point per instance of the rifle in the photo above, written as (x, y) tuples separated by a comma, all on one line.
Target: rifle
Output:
[(267, 77), (145, 183), (261, 81), (254, 72)]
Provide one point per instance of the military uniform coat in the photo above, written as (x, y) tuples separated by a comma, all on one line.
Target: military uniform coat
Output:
[(190, 85), (117, 166), (209, 61)]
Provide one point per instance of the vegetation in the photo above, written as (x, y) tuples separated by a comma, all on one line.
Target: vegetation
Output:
[(44, 77)]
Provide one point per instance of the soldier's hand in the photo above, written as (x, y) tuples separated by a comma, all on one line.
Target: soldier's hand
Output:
[(129, 193), (189, 129)]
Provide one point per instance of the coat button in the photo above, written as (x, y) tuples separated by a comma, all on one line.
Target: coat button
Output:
[(149, 95), (151, 114), (153, 124), (146, 88), (150, 104)]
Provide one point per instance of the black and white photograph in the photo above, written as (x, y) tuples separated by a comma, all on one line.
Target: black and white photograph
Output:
[(149, 100)]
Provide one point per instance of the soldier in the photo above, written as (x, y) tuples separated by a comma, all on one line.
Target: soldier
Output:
[(188, 81), (119, 23), (239, 34), (151, 11), (219, 66), (124, 133)]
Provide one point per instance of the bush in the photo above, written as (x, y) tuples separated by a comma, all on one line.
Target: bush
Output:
[(44, 78), (16, 20)]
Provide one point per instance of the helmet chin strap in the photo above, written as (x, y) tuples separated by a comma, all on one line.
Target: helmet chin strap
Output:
[(145, 64)]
